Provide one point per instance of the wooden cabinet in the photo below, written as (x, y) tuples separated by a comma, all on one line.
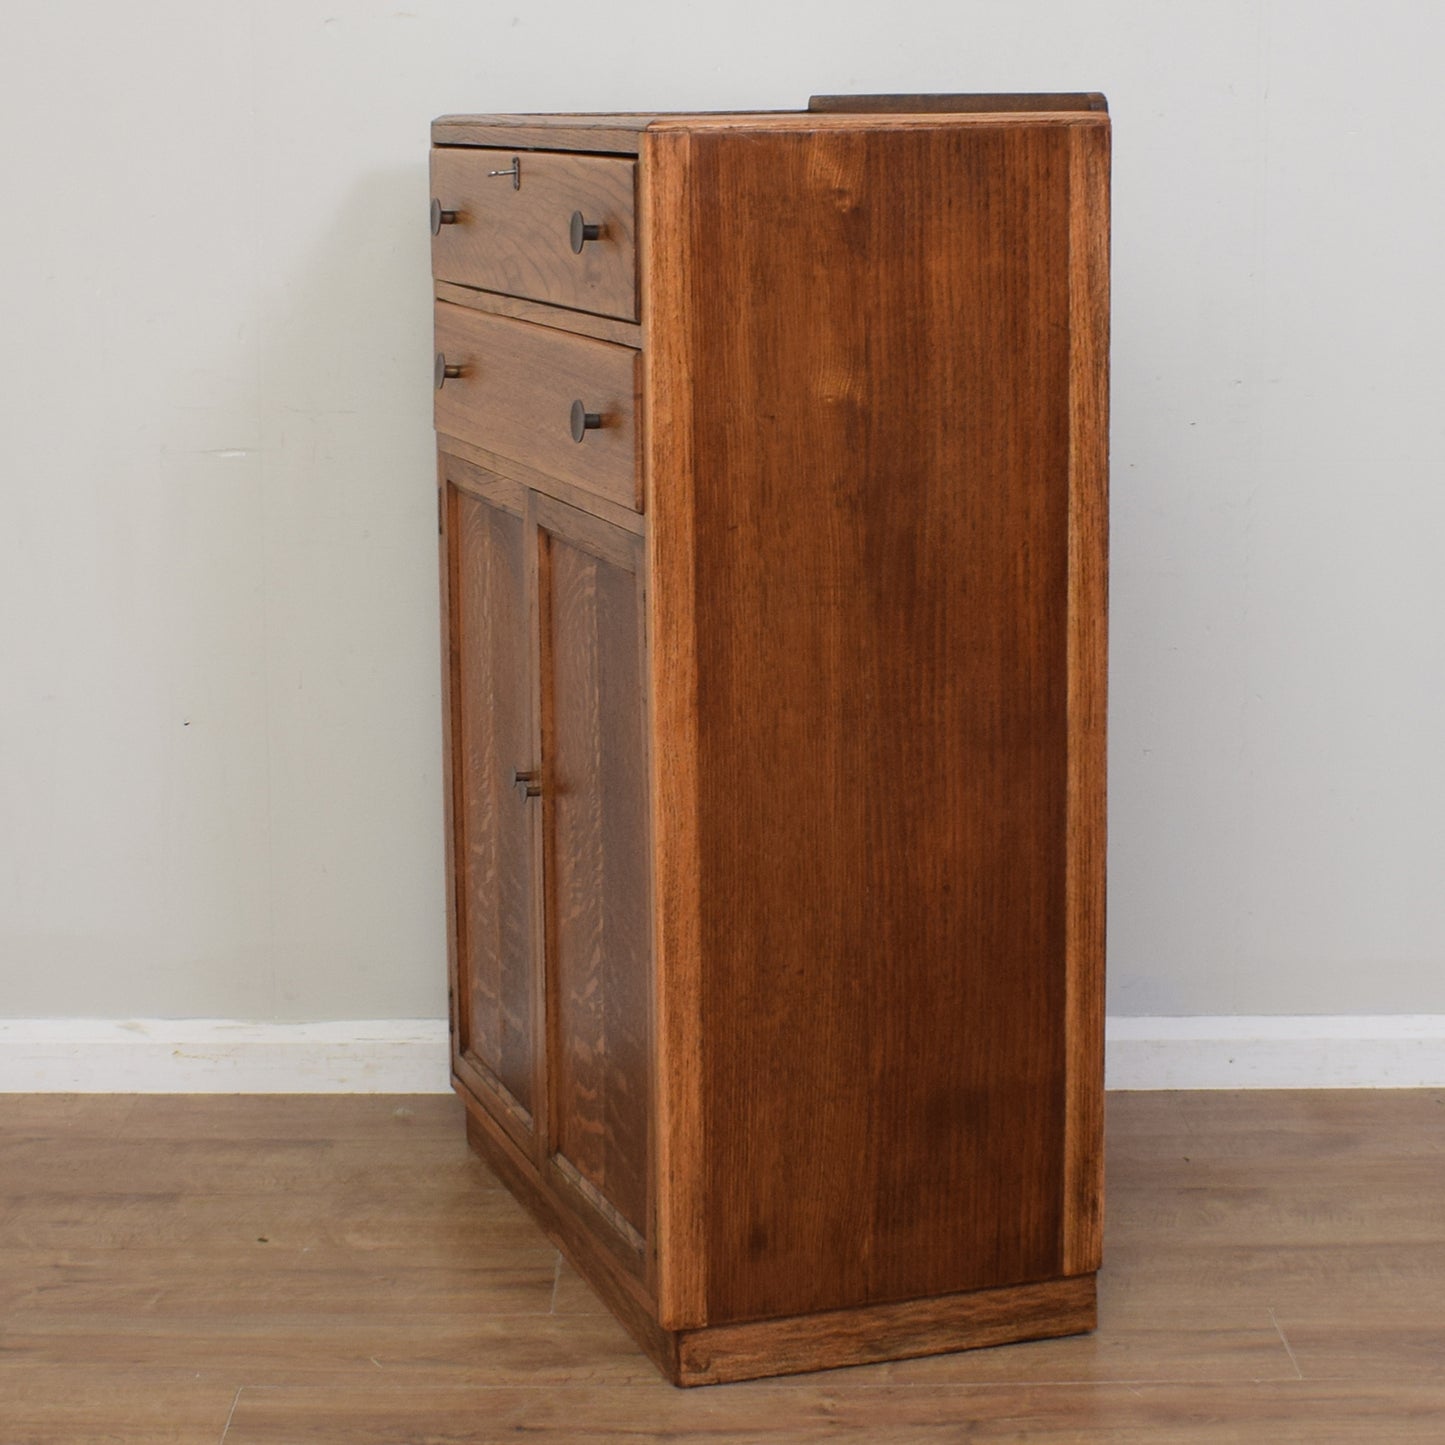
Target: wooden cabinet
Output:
[(772, 455)]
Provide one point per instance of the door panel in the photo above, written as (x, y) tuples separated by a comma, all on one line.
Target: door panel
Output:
[(492, 818), (599, 973)]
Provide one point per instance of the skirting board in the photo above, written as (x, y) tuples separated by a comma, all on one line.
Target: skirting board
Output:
[(1267, 1051), (410, 1056), (223, 1056)]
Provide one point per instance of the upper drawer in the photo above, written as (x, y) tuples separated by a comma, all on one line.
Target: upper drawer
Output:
[(518, 387), (551, 227)]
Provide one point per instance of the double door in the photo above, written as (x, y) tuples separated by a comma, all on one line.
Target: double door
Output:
[(551, 983)]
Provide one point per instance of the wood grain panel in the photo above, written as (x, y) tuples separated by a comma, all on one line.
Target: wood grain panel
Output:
[(530, 478), (596, 860), (987, 104), (665, 218), (299, 1248), (832, 1338), (492, 844), (1087, 669), (811, 1413), (880, 593), (578, 131), (604, 328), (515, 395), (517, 239)]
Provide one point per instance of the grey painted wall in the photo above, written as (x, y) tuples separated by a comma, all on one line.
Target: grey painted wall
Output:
[(219, 760)]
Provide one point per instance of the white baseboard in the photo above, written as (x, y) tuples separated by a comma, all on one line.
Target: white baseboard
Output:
[(1266, 1051), (223, 1056), (410, 1056)]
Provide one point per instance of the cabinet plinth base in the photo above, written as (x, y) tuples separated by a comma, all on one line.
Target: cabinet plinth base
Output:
[(865, 1334)]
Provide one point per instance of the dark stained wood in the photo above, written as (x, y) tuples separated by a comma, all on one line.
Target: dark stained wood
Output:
[(958, 104), (604, 328), (885, 1332), (742, 123), (880, 616), (665, 223), (595, 805), (515, 397), (623, 134), (493, 821), (517, 239)]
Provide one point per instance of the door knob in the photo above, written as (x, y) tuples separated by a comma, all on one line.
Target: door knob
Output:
[(583, 421), (528, 780), (583, 231), (445, 371), (440, 218)]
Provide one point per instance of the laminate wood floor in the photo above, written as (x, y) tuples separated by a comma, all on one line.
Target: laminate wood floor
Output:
[(282, 1270)]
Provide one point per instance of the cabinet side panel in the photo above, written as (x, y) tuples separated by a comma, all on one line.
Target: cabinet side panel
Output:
[(490, 737), (600, 975), (879, 440)]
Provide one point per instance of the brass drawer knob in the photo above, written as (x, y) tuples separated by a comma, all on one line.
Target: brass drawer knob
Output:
[(440, 218), (583, 231), (445, 371), (583, 421)]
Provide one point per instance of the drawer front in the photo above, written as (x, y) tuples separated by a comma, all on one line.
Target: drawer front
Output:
[(518, 238), (518, 387)]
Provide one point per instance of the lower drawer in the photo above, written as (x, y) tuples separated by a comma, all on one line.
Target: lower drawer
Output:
[(529, 392)]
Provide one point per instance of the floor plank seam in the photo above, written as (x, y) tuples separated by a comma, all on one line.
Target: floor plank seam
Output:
[(226, 1428), (1286, 1345)]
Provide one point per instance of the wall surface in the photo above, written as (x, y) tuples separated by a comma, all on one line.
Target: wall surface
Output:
[(219, 759)]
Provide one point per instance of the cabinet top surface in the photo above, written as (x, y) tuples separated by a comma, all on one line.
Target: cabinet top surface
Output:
[(622, 132)]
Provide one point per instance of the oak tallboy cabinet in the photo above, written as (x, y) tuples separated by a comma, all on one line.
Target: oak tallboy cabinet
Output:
[(772, 466)]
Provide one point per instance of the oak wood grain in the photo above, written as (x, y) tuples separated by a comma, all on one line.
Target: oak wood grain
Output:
[(402, 1294), (611, 133), (516, 391), (665, 222), (604, 328), (885, 1332), (517, 239), (1297, 1412), (879, 613), (599, 953), (1086, 665), (602, 1256), (620, 516), (488, 607), (858, 1021), (959, 104), (61, 1405)]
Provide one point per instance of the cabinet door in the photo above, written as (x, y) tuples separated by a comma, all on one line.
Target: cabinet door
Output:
[(599, 971), (493, 828)]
